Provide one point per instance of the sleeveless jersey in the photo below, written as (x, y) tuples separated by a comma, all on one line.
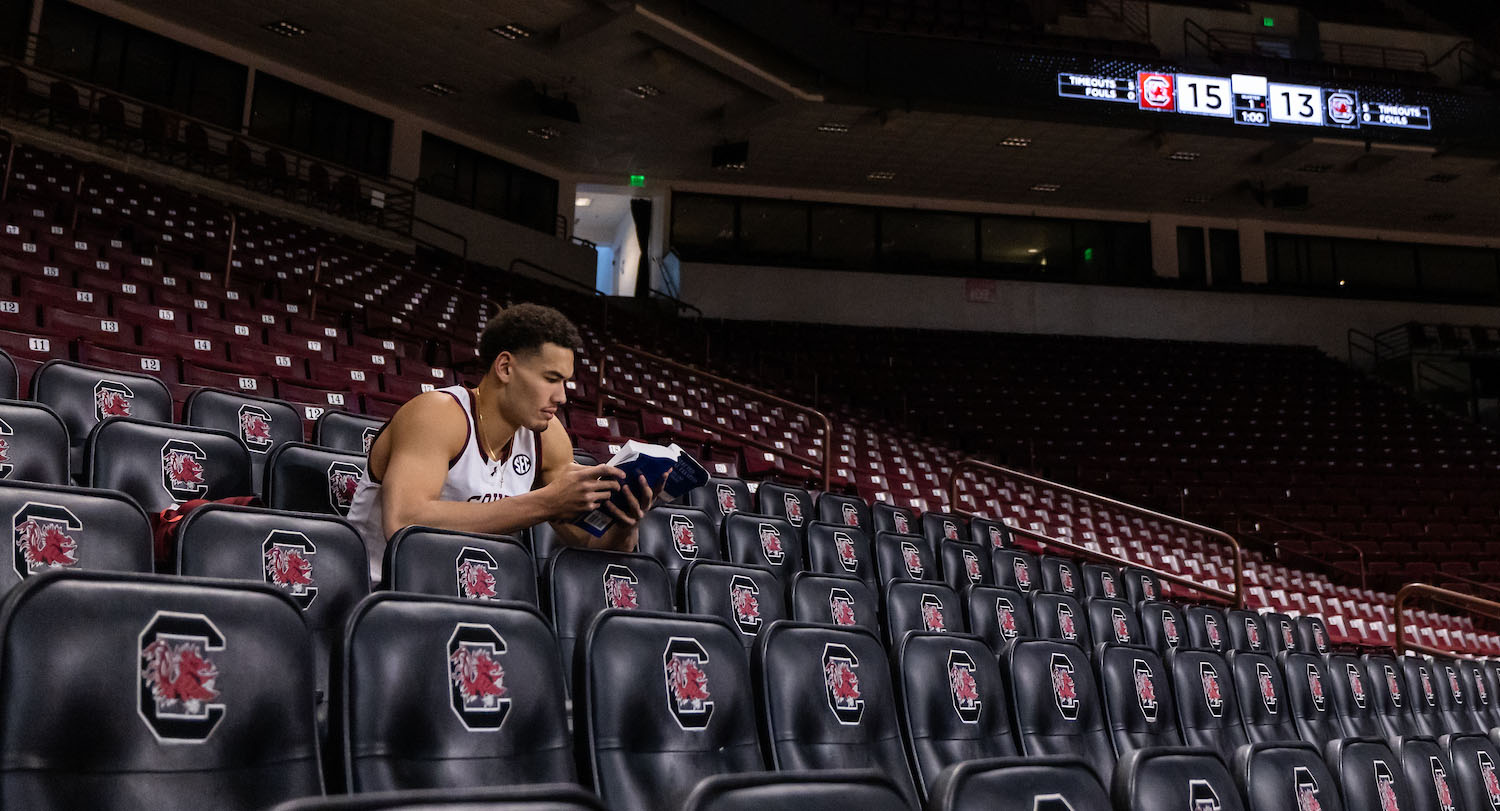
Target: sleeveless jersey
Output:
[(472, 476)]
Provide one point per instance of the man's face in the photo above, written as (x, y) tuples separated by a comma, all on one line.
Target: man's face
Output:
[(535, 385)]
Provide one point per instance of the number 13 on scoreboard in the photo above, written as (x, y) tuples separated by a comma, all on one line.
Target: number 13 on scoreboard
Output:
[(1204, 95)]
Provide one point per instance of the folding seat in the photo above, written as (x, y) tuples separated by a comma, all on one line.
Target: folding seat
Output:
[(162, 465), (262, 424), (1056, 704), (1429, 773), (1058, 616), (185, 345), (890, 518), (846, 510), (10, 382), (440, 692), (1264, 705), (1479, 681), (33, 443), (1392, 696), (221, 376), (1016, 569), (138, 313), (1313, 712), (547, 797), (720, 497), (842, 550), (677, 536), (964, 564), (243, 352), (1113, 621), (1369, 775), (1206, 627), (1474, 759), (1455, 698), (1422, 684), (912, 605), (318, 397), (952, 703), (989, 534), (826, 702), (904, 557), (1138, 707), (1208, 710), (1168, 778), (1281, 632), (60, 527), (746, 597), (449, 563), (940, 526), (1247, 631), (763, 540), (834, 790), (55, 297), (338, 377), (582, 582), (318, 347), (398, 391), (1103, 581), (162, 367), (1285, 777), (997, 615), (784, 501), (1061, 576), (342, 431), (1140, 585), (85, 395), (307, 478), (136, 661), (1312, 634), (834, 599), (1352, 696), (102, 329)]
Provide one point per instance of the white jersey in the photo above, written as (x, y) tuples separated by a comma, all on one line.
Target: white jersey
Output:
[(472, 476)]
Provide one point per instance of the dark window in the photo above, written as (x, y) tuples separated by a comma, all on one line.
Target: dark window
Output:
[(1043, 248), (771, 229), (15, 21), (912, 239), (843, 235), (1447, 269), (306, 121), (1192, 262), (1224, 257), (471, 178), (702, 225)]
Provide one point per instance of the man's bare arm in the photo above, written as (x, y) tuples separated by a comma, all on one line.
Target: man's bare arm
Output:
[(557, 456)]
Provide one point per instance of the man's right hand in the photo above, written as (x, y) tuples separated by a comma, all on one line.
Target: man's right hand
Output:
[(579, 489)]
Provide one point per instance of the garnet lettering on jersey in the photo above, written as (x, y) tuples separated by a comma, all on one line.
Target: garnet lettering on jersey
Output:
[(487, 497)]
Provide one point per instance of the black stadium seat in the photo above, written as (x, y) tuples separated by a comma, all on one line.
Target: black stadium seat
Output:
[(1053, 784), (826, 702), (1061, 576), (1479, 679), (1475, 762), (262, 424), (1207, 628), (720, 497), (60, 527), (448, 563), (1282, 631), (1393, 697), (1313, 708), (34, 445), (904, 557), (441, 692), (845, 511), (763, 540), (1265, 710), (1369, 775), (1015, 568), (997, 615), (1247, 631), (306, 478), (912, 605), (1103, 581), (1174, 778), (1058, 616), (890, 518), (1113, 621), (161, 465), (662, 701), (1163, 626), (549, 797), (1455, 695), (350, 433), (1056, 703), (10, 380), (583, 582), (1428, 773), (794, 504), (85, 395), (155, 692), (841, 550), (1137, 697), (964, 564), (940, 526), (835, 600), (1286, 777), (1352, 696), (1140, 585), (1312, 634), (1423, 685), (677, 536), (989, 534), (833, 790), (952, 703), (747, 598), (1208, 709)]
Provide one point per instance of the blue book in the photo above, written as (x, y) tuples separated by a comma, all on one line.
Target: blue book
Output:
[(638, 459)]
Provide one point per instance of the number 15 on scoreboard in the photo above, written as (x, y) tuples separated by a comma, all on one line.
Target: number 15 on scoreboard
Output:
[(1204, 95)]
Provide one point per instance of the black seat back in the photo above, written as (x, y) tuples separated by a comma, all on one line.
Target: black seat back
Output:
[(1314, 711), (663, 702), (1352, 695), (1140, 585), (722, 496), (1056, 704), (59, 527), (1173, 778), (1285, 777), (1423, 685), (343, 431), (1137, 696), (10, 379), (449, 563), (964, 564), (835, 790), (155, 692), (763, 540), (997, 615), (841, 550), (33, 443), (904, 557), (547, 797), (583, 582), (989, 534), (794, 504), (1054, 784), (1062, 576), (1058, 616), (677, 536), (1369, 774), (1428, 774), (829, 598), (1103, 581), (747, 598), (1393, 697), (1207, 628), (1208, 710), (1247, 631), (913, 605), (1479, 679), (1455, 697), (1312, 634), (443, 692), (1281, 632), (306, 478), (262, 424), (83, 396), (1016, 569), (1475, 760), (826, 702), (847, 511), (1113, 621), (890, 518), (952, 703), (1163, 626), (940, 526), (161, 465), (1265, 710)]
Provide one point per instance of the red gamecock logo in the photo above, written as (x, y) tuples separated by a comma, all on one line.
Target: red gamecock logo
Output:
[(1066, 627), (287, 564), (841, 607), (1169, 629), (1023, 574), (971, 567), (770, 544), (997, 537), (1145, 690), (1211, 693), (619, 587), (1065, 574), (844, 543), (1064, 691), (1122, 627), (343, 483), (43, 538), (1005, 612), (1211, 627), (913, 560), (1107, 584), (743, 598), (1306, 789), (683, 538), (179, 681), (1440, 784), (476, 677), (1252, 633), (183, 475), (474, 570), (841, 680), (950, 530), (1288, 639), (793, 508), (727, 502), (902, 522), (1385, 786), (255, 428), (1453, 685), (851, 515), (112, 399), (1267, 687), (1491, 784), (932, 613), (684, 665), (963, 686), (1315, 687), (1356, 683)]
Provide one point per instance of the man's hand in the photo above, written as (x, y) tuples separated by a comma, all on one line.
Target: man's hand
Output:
[(623, 534), (578, 489)]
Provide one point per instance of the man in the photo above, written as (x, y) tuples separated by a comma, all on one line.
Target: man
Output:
[(494, 459)]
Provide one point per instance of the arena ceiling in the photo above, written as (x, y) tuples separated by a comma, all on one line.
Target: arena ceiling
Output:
[(713, 85)]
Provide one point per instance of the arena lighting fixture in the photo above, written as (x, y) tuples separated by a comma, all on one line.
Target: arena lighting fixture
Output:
[(544, 133), (439, 89), (1016, 142), (1182, 155), (1046, 187), (834, 127), (645, 91), (285, 28), (583, 202), (511, 31), (881, 176)]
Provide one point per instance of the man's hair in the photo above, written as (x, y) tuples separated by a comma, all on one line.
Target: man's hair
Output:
[(524, 328)]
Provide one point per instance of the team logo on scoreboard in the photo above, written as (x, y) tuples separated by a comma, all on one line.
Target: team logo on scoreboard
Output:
[(1341, 108), (1156, 91)]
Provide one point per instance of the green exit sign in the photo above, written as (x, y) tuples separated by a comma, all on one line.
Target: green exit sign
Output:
[(637, 180), (1269, 22)]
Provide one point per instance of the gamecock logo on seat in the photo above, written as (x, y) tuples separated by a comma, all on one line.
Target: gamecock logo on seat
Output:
[(913, 560), (1319, 639), (971, 567), (367, 439), (1267, 687), (1067, 628), (997, 537), (681, 528), (685, 666), (619, 587), (770, 544), (902, 522), (1065, 575), (1315, 687), (841, 680), (1107, 585), (743, 597), (1121, 625), (43, 538), (1356, 683), (1211, 627), (1023, 573), (1212, 695), (841, 607), (112, 399), (476, 677), (851, 515), (1064, 691), (1385, 787), (287, 563), (932, 613), (1306, 789), (1148, 587), (1454, 686), (793, 508), (1393, 686), (1288, 639), (1440, 787), (1427, 690), (474, 574), (182, 470), (6, 466), (963, 687), (1169, 629), (727, 502), (1479, 688), (1202, 797), (343, 483), (950, 530), (1005, 612), (1145, 690), (255, 428), (844, 543), (1491, 783), (1252, 633), (178, 681)]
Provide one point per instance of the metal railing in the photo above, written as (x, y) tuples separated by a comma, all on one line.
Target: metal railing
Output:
[(393, 272), (1134, 15), (1457, 599), (1236, 597), (1215, 42), (605, 389), (1260, 517)]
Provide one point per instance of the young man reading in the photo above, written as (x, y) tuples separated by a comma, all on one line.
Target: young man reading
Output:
[(494, 459)]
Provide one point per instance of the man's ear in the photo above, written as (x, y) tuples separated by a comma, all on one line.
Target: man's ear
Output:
[(504, 364)]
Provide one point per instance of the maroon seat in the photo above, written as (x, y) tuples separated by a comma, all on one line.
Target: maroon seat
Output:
[(228, 378), (185, 345), (163, 367)]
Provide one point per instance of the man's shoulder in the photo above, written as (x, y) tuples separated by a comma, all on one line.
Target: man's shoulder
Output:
[(431, 413)]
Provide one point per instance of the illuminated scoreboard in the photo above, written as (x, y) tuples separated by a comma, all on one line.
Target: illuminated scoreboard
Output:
[(1244, 99)]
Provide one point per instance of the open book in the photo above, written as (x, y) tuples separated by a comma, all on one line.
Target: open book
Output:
[(645, 459)]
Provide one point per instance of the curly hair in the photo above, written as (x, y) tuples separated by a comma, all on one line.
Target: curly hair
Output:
[(524, 328)]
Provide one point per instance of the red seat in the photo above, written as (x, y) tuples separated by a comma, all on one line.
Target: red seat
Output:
[(103, 329), (185, 345), (223, 377), (341, 400), (47, 293), (317, 347), (405, 388), (335, 378), (233, 332), (127, 310), (270, 361), (383, 406), (164, 367)]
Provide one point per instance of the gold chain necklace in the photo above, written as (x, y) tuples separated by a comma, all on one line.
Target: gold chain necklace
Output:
[(484, 440)]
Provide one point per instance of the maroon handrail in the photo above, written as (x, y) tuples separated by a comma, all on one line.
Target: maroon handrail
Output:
[(1360, 553), (1468, 602), (1224, 595)]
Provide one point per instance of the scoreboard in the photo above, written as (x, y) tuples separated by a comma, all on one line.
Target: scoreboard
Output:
[(1247, 100)]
